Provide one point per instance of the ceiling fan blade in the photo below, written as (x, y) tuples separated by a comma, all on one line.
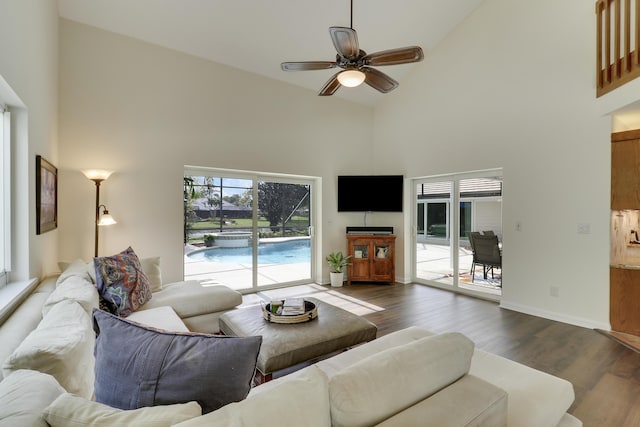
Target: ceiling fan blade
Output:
[(331, 86), (402, 55), (379, 80), (345, 40), (307, 65)]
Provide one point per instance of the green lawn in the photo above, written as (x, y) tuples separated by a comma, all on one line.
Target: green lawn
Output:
[(245, 223), (238, 223)]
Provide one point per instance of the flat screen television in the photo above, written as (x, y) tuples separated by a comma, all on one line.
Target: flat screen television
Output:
[(370, 193)]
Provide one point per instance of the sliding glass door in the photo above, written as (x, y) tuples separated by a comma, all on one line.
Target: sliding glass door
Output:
[(284, 255), (433, 241), (247, 231), (447, 210)]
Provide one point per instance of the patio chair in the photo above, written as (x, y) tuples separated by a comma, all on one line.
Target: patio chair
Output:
[(472, 234), (486, 252)]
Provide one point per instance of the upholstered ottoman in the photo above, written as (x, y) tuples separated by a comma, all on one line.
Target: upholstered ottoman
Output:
[(285, 345)]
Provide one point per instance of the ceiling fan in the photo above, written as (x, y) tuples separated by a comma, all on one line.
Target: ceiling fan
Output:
[(356, 64)]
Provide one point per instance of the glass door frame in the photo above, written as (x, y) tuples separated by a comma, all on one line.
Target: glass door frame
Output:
[(453, 229), (282, 179), (315, 188)]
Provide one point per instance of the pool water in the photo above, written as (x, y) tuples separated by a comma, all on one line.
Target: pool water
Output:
[(288, 252)]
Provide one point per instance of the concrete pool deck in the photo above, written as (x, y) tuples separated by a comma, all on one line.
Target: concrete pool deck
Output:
[(238, 276), (433, 263)]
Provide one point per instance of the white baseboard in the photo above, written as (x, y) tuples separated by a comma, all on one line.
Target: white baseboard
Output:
[(552, 315)]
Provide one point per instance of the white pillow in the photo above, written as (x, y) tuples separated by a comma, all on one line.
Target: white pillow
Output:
[(300, 399), (150, 266), (71, 269), (23, 396), (379, 386), (69, 410), (61, 345), (73, 288)]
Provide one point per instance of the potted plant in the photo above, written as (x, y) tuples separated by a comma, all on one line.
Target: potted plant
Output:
[(208, 240), (337, 262)]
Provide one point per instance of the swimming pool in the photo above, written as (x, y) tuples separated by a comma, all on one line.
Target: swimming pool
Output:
[(291, 251)]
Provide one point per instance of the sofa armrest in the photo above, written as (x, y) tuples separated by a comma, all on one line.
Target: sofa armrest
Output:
[(535, 397), (192, 298)]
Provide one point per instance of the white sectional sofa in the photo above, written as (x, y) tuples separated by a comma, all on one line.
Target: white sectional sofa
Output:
[(409, 377), (198, 306)]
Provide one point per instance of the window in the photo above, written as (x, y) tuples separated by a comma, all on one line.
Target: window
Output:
[(5, 195), (443, 253), (248, 230), (15, 283)]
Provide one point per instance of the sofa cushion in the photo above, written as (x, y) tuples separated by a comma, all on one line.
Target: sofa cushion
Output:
[(386, 383), (20, 324), (138, 366), (150, 266), (23, 396), (77, 288), (121, 282), (301, 399), (77, 268), (205, 323), (191, 298), (159, 318), (61, 345), (69, 410), (545, 398), (468, 402), (337, 363)]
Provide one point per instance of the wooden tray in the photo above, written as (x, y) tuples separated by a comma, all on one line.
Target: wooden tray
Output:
[(311, 312)]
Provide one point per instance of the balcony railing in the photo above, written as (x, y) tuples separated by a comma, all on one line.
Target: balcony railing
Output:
[(618, 39)]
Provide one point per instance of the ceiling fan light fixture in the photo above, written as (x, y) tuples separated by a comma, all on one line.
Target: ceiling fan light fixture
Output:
[(351, 78)]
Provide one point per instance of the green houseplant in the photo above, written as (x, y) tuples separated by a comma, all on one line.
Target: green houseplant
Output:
[(209, 239), (337, 262)]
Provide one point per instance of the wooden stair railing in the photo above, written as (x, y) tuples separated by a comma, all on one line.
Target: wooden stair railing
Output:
[(617, 42)]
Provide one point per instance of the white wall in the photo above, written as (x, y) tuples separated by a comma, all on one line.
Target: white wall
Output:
[(145, 112), (29, 65), (487, 215), (514, 87)]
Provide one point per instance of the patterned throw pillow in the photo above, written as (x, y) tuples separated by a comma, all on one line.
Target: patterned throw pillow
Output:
[(122, 284)]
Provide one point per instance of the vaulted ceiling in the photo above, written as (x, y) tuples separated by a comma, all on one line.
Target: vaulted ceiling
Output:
[(257, 35)]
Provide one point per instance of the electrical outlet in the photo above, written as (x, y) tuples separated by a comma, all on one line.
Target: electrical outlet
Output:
[(584, 228), (554, 291)]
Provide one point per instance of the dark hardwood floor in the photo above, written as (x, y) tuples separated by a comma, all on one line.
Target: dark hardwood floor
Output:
[(605, 374)]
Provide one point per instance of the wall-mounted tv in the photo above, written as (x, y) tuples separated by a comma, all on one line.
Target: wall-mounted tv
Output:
[(370, 193)]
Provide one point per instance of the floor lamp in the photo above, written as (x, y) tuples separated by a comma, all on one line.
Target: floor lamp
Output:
[(97, 176)]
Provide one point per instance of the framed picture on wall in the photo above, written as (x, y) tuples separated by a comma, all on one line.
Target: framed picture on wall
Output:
[(46, 196)]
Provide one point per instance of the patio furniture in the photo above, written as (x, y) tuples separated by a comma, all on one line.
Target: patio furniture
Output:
[(486, 252)]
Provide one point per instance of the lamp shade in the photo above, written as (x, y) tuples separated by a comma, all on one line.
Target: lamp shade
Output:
[(97, 174), (351, 78), (106, 219)]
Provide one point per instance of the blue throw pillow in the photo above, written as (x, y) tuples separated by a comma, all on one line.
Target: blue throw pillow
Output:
[(137, 366)]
